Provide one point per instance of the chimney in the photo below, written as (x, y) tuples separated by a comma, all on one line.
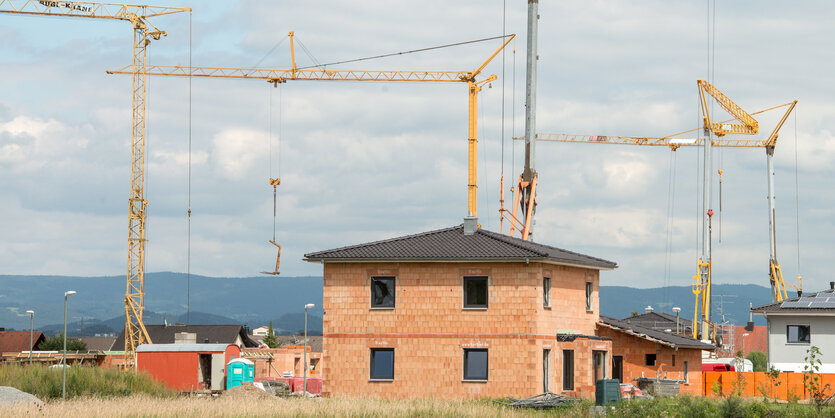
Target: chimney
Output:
[(831, 285), (470, 225), (648, 309)]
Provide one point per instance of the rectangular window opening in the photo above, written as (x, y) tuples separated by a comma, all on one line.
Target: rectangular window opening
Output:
[(798, 334), (475, 364), (650, 360), (382, 292), (686, 376), (567, 369), (589, 292), (382, 364), (546, 370), (546, 292), (599, 365), (475, 292)]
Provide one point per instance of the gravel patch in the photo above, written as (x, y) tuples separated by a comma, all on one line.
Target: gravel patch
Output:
[(10, 396)]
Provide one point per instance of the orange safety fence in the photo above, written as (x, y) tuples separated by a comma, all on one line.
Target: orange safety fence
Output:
[(785, 386)]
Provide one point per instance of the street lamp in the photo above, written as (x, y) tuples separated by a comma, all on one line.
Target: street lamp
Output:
[(676, 309), (31, 331), (306, 307), (67, 294)]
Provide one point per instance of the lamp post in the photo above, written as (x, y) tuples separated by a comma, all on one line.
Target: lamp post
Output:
[(31, 331), (676, 309), (67, 294), (306, 307)]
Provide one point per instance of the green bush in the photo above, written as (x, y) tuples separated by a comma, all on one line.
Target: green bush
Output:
[(56, 343), (759, 360), (45, 383)]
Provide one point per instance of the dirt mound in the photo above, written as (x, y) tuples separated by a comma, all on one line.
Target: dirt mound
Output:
[(246, 390)]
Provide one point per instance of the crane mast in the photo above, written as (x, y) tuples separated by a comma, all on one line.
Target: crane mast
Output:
[(524, 197), (143, 33), (715, 136)]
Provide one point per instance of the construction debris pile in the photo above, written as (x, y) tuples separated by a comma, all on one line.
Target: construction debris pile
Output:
[(541, 401)]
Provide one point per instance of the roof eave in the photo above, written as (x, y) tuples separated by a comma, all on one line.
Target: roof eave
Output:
[(526, 260)]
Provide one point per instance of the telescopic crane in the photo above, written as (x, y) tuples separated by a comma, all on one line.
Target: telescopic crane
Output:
[(143, 33), (742, 123), (275, 77)]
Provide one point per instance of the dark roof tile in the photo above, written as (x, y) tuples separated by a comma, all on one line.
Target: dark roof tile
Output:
[(452, 244), (669, 338), (215, 334)]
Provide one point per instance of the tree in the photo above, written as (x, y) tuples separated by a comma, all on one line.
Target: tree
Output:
[(759, 360), (270, 339), (56, 343)]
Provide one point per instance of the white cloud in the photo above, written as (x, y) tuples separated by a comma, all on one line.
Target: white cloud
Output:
[(363, 161), (236, 151)]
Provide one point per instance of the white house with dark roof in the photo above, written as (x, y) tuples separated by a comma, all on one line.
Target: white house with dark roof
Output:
[(797, 324)]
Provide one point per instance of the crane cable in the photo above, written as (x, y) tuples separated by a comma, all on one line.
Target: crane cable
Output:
[(671, 191), (188, 255), (393, 54), (504, 33), (797, 199)]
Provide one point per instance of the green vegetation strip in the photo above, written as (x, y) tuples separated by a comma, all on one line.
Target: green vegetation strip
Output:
[(45, 382)]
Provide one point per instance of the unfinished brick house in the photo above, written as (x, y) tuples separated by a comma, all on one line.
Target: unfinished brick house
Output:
[(460, 313), (639, 351)]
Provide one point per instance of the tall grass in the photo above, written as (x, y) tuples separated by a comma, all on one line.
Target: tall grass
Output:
[(45, 383)]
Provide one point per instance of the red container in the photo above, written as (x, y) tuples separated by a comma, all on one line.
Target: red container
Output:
[(314, 384)]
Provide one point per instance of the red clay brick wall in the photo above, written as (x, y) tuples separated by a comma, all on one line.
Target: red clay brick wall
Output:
[(429, 327), (285, 360), (634, 351), (568, 300)]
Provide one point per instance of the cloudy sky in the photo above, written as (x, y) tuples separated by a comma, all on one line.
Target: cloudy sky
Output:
[(367, 161)]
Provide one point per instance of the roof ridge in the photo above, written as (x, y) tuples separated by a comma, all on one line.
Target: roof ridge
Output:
[(500, 237), (420, 234), (503, 238)]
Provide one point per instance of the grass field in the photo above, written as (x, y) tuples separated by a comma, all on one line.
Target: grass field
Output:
[(258, 405), (45, 383)]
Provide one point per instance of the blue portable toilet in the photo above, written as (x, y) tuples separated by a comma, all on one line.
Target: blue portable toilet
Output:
[(238, 371)]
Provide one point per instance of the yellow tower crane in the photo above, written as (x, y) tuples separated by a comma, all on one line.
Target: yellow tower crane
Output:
[(296, 74), (742, 123), (143, 33)]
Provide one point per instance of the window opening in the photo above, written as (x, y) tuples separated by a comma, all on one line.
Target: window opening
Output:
[(475, 364), (382, 363), (589, 289), (798, 334), (382, 292), (546, 291), (567, 369), (475, 292)]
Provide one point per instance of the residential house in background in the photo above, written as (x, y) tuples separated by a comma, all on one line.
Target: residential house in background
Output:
[(18, 341), (797, 324), (260, 331), (203, 334), (638, 351), (98, 343), (660, 321), (756, 340), (461, 313)]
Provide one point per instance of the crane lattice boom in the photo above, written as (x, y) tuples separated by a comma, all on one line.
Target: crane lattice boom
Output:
[(135, 332)]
